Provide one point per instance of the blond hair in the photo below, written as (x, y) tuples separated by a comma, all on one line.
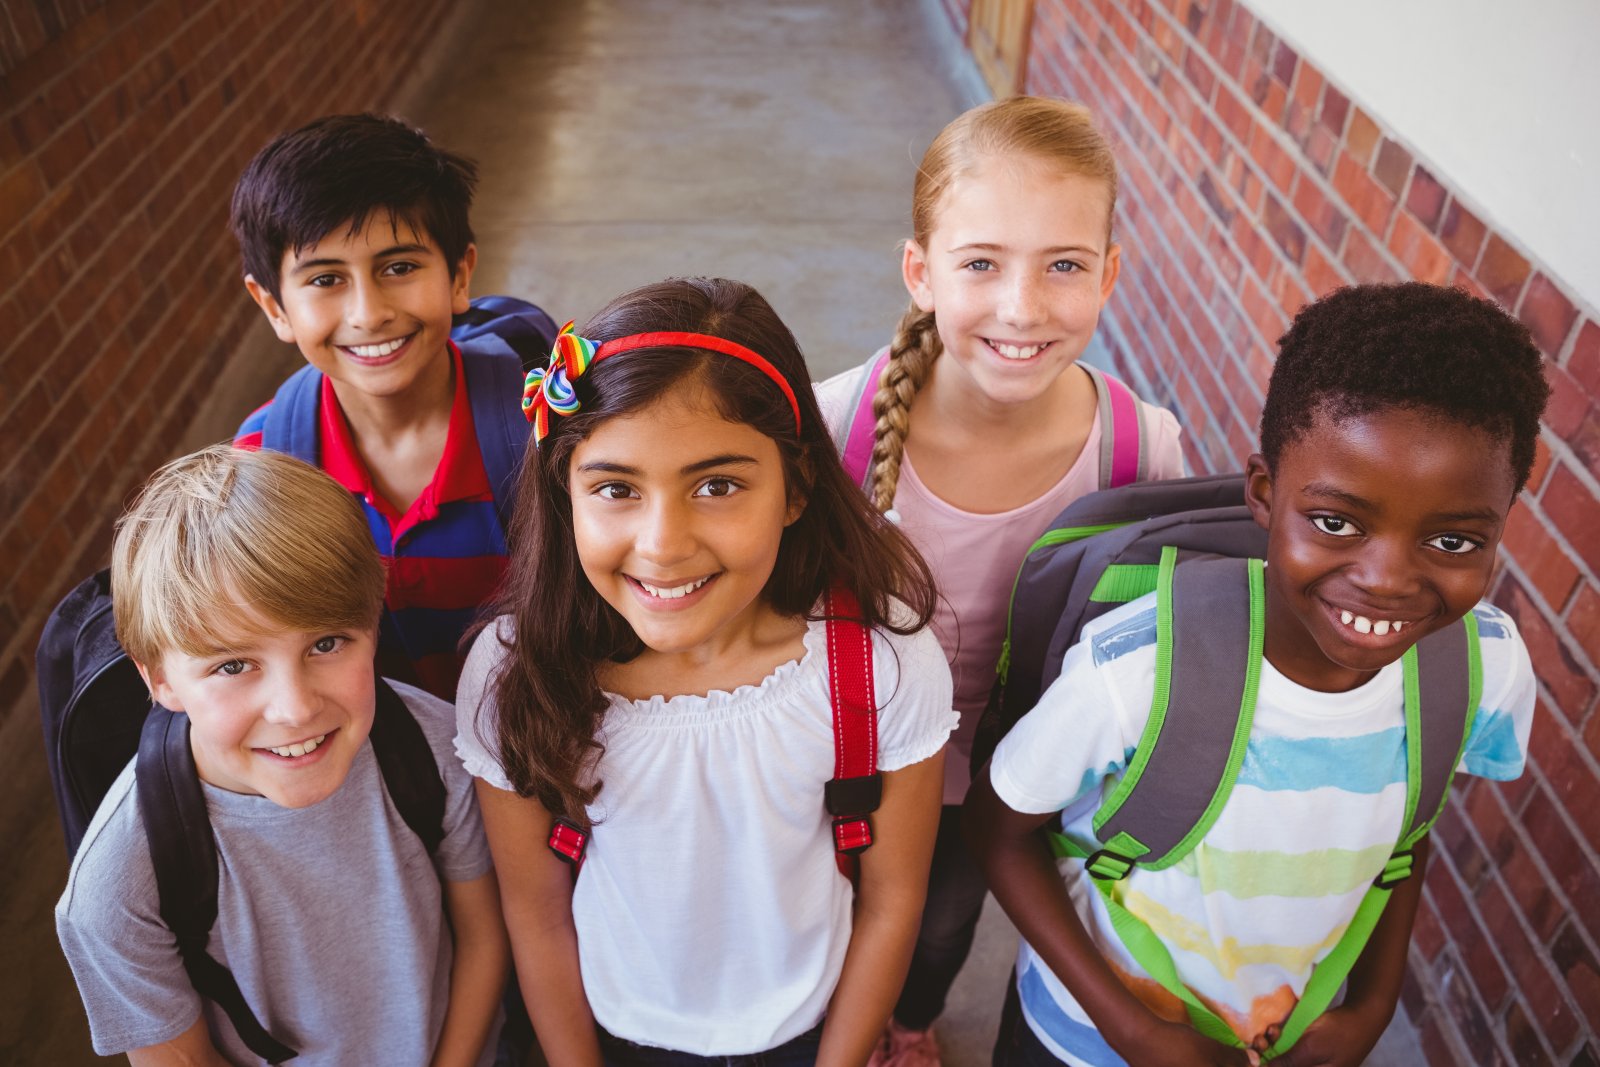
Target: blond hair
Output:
[(1052, 131), (225, 539)]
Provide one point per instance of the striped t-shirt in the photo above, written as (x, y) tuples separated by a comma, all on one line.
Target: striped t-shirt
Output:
[(1270, 889)]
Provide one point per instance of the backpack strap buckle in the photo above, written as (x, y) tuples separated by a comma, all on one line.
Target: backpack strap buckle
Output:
[(852, 834), (1108, 866), (568, 841), (1396, 869), (853, 796)]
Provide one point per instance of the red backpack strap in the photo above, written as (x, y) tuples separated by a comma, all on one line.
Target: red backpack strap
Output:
[(1124, 456), (856, 787), (855, 445), (568, 841)]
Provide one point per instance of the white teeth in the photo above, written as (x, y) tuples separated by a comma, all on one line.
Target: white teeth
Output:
[(299, 748), (1017, 351), (1363, 625), (674, 592), (375, 351)]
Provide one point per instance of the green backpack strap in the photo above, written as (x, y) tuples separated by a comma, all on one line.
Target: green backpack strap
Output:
[(1446, 666), (1210, 618)]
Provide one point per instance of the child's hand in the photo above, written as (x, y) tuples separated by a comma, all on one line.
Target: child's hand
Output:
[(1181, 1045), (1342, 1037)]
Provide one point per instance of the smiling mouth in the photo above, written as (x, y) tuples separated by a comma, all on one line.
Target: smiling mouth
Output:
[(669, 592), (1358, 625), (1017, 353), (377, 352), (298, 748)]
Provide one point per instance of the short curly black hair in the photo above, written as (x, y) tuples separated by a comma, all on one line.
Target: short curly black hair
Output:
[(1443, 351)]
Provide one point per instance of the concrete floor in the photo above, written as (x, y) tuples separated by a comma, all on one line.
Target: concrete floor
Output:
[(620, 142)]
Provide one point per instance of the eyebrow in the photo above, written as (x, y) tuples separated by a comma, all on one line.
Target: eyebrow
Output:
[(1362, 504), (727, 459), (333, 261), (984, 246)]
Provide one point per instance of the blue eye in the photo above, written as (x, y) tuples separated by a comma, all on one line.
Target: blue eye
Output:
[(1066, 266), (980, 265)]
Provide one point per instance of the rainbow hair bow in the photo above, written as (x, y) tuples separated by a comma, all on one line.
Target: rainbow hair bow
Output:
[(549, 389)]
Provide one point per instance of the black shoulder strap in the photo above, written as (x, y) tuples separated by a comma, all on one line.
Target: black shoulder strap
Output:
[(184, 855), (1209, 625), (409, 771)]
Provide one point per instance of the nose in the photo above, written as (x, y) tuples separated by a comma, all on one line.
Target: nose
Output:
[(1022, 300), (665, 534), (293, 701), (368, 308), (1388, 569)]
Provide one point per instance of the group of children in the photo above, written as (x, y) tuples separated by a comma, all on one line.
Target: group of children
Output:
[(714, 689)]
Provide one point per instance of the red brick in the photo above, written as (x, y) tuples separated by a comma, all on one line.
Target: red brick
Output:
[(1502, 271), (1548, 313), (1368, 200), (1320, 213), (1365, 262), (1426, 198), (1263, 311), (1322, 275), (1424, 257), (1335, 108), (1567, 681), (1289, 235), (1580, 969), (21, 189), (1362, 137), (1462, 233), (1583, 621), (1524, 1039), (1532, 973), (1547, 567), (1393, 166), (1585, 439), (1570, 775), (1584, 361), (1569, 402), (1275, 162)]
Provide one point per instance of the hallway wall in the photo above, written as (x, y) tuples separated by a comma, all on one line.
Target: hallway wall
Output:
[(1252, 182), (123, 125)]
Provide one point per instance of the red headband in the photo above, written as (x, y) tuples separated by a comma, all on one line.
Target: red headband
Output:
[(668, 338), (548, 390)]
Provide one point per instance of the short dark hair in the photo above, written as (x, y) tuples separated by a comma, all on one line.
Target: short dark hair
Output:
[(1441, 351), (549, 703), (338, 171)]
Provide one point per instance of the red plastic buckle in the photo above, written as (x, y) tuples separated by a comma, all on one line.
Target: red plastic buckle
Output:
[(568, 840), (852, 834)]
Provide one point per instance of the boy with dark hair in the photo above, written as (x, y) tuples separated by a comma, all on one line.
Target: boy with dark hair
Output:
[(247, 592), (1398, 428), (356, 245)]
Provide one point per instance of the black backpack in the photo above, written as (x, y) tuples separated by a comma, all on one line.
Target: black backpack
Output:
[(1193, 542), (97, 716)]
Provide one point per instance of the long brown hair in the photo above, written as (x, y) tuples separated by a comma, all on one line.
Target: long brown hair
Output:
[(1054, 131), (549, 699)]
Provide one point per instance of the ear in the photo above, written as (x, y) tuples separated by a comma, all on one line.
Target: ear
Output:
[(271, 308), (461, 284), (800, 495), (914, 269), (155, 680), (1258, 490), (1112, 271)]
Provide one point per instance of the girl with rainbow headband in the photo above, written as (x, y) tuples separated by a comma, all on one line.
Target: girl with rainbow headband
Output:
[(976, 426), (702, 622)]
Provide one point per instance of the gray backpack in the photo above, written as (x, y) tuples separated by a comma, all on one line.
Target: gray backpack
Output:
[(1193, 542)]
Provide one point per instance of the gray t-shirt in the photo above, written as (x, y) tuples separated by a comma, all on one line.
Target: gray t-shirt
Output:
[(331, 917)]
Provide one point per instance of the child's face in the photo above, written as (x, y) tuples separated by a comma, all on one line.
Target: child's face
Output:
[(1381, 530), (371, 311), (677, 515), (274, 714), (1015, 271)]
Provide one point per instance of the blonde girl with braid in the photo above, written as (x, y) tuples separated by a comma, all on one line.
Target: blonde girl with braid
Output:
[(977, 425)]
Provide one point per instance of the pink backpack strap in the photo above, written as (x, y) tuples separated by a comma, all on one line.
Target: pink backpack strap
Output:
[(856, 788), (1124, 453), (855, 443)]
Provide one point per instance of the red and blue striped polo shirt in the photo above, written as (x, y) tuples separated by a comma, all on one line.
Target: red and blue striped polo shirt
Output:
[(445, 554)]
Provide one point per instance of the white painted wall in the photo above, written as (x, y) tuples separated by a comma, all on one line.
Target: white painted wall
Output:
[(1500, 99)]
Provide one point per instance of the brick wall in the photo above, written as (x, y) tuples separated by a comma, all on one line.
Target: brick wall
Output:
[(1251, 185), (122, 128)]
